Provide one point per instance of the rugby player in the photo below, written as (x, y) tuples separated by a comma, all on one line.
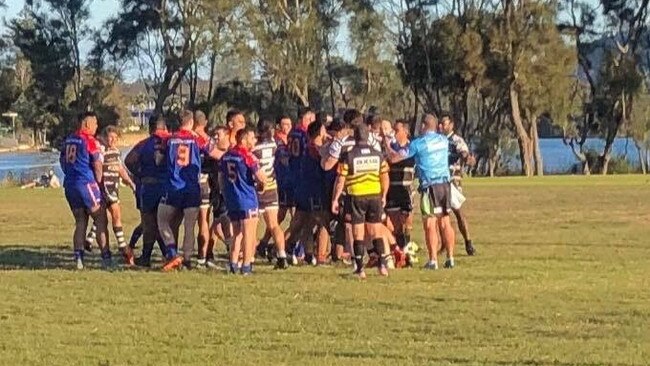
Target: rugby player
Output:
[(399, 207), (81, 162), (430, 151), (113, 170), (235, 121), (458, 156), (265, 152), (363, 172), (183, 190), (240, 173), (147, 162), (297, 144), (221, 227), (309, 194), (200, 125)]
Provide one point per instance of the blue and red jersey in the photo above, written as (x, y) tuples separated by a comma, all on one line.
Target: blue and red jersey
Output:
[(78, 153), (282, 172), (238, 167), (312, 177), (184, 150), (297, 144), (153, 157)]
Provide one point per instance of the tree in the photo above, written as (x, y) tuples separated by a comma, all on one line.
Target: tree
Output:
[(162, 36), (286, 44), (526, 40)]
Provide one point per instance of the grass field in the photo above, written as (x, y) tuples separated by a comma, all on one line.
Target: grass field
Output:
[(562, 278)]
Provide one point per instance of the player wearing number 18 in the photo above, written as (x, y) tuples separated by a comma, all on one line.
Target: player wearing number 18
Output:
[(183, 191), (81, 162)]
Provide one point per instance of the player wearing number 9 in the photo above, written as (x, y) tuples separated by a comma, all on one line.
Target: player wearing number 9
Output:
[(183, 191), (241, 173)]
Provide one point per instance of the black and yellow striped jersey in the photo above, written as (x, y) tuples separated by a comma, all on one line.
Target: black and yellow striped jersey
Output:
[(265, 153), (361, 167)]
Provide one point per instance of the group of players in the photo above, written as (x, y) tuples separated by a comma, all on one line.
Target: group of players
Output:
[(346, 184)]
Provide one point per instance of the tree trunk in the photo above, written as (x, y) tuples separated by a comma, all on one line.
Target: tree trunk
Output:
[(537, 153), (642, 162), (213, 61), (524, 141), (603, 159), (330, 76)]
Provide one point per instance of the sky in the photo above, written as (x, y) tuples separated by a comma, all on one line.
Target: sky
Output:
[(100, 10)]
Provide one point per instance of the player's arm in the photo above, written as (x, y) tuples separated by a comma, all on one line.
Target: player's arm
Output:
[(394, 157), (126, 177), (339, 185), (465, 154), (132, 160), (329, 160), (96, 160), (384, 180)]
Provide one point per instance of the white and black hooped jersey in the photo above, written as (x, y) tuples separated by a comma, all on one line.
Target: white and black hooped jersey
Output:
[(265, 153)]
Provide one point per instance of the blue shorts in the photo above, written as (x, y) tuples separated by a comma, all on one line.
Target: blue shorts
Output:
[(148, 197), (83, 195), (182, 199), (243, 214)]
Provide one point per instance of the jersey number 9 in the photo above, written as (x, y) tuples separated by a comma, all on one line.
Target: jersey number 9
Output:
[(183, 156), (232, 171), (70, 154)]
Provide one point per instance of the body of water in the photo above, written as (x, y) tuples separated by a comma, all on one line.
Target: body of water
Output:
[(558, 158)]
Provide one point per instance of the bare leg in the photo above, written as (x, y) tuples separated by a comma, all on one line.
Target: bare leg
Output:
[(448, 237), (249, 236), (235, 248), (165, 218), (203, 238), (190, 216), (430, 227)]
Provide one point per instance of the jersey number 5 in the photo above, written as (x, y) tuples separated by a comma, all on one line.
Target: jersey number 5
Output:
[(232, 171), (70, 153), (183, 156)]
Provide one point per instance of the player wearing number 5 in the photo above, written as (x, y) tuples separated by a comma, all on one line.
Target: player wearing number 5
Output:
[(241, 171), (183, 191), (81, 162)]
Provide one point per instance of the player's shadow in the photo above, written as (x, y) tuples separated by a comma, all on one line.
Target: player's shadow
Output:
[(30, 257)]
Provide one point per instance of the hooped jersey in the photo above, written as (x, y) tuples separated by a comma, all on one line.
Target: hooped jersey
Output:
[(361, 168), (402, 174), (265, 153), (184, 150), (111, 166), (238, 168), (78, 153)]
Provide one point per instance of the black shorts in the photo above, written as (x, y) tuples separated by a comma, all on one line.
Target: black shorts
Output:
[(399, 199), (310, 204), (435, 200), (243, 215), (205, 191), (111, 193), (268, 200), (285, 197), (218, 205), (366, 209)]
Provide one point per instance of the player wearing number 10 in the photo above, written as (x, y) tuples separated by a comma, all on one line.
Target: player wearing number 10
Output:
[(183, 191), (81, 162)]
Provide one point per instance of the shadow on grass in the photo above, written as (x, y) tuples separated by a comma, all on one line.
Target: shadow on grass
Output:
[(22, 256)]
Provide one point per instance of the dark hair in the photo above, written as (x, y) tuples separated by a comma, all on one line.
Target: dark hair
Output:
[(239, 137), (82, 116), (314, 129), (321, 117), (304, 111), (232, 113), (157, 122), (352, 116), (361, 134), (216, 129), (446, 115), (265, 128), (373, 119), (282, 116), (336, 125)]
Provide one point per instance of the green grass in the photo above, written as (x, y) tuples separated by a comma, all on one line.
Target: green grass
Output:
[(562, 278)]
